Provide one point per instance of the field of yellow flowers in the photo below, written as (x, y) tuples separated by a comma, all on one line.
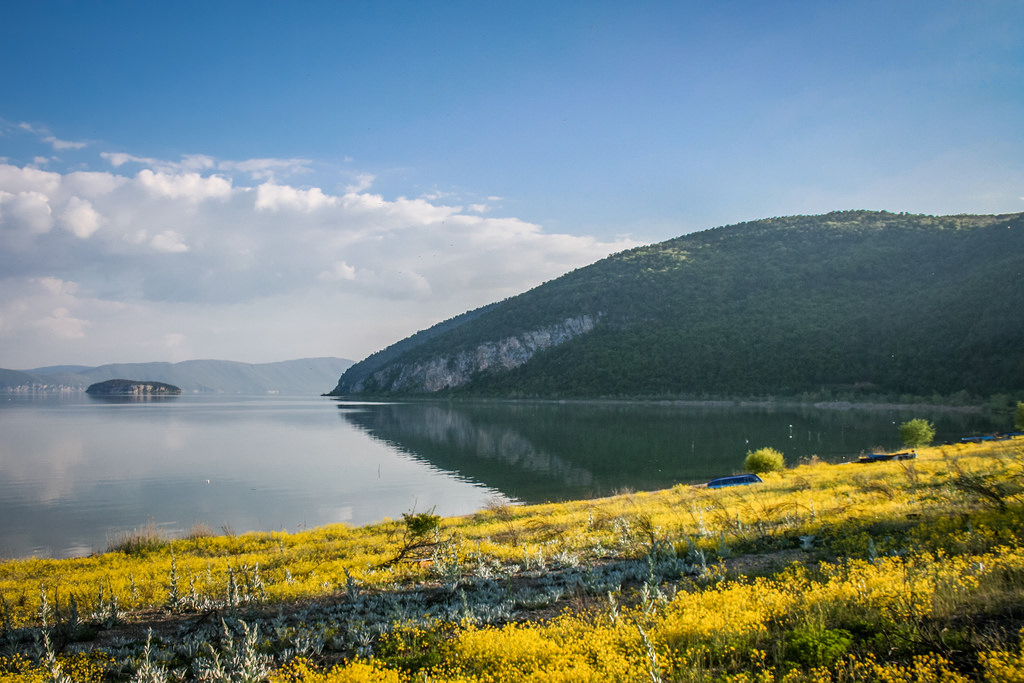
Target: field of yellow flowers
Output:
[(888, 571)]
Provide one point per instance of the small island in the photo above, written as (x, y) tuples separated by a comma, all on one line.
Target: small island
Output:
[(129, 387)]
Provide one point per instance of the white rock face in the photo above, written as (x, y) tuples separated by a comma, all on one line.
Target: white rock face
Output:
[(446, 371)]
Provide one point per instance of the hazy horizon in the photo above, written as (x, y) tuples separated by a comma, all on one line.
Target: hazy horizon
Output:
[(187, 360)]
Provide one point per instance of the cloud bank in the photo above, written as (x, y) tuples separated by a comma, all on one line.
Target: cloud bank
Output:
[(153, 260)]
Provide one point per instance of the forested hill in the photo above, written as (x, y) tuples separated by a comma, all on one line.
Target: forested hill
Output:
[(840, 305)]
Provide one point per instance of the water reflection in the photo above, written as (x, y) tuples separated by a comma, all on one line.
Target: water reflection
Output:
[(474, 444), (539, 451), (76, 473), (132, 398)]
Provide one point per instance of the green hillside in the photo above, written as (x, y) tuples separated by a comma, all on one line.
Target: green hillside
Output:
[(839, 305)]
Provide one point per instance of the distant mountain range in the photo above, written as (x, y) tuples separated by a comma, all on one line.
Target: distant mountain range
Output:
[(307, 376), (843, 305)]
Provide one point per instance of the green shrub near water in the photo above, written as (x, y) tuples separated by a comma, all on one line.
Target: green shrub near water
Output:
[(764, 460), (147, 539), (917, 432)]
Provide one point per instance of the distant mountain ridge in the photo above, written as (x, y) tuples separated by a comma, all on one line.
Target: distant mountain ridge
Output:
[(838, 305), (306, 376)]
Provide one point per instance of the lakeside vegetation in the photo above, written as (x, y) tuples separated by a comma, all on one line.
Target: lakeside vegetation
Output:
[(899, 571)]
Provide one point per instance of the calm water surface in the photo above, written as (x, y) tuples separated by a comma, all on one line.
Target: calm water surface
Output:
[(76, 472)]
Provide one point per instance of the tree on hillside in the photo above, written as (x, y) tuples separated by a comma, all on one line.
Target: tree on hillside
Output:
[(1018, 423), (917, 432)]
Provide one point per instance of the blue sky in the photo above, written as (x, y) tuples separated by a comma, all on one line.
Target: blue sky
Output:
[(261, 181)]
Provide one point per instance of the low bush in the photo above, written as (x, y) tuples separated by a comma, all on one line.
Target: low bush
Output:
[(816, 647), (142, 540), (917, 432), (764, 460)]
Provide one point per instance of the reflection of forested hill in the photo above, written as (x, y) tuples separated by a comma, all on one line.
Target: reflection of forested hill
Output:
[(550, 451), (458, 440), (846, 304)]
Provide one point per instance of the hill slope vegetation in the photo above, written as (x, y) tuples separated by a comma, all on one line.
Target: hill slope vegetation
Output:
[(839, 305)]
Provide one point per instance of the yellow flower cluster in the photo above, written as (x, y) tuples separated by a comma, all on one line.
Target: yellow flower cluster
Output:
[(1005, 666), (359, 671), (80, 668)]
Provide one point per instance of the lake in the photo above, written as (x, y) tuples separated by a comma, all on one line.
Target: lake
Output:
[(76, 472)]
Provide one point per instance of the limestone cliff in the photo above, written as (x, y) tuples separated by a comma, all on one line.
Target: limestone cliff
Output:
[(451, 370)]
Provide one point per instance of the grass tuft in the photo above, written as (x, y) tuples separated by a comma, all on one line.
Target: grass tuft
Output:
[(139, 541)]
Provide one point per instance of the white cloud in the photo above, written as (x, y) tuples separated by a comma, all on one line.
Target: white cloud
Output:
[(55, 286), (436, 195), (400, 283), (64, 144), (61, 324), (91, 184), (257, 169), (39, 308), (267, 169), (15, 179), (271, 197), (118, 159), (338, 271), (190, 186), (186, 262), (80, 217), (169, 242), (25, 212), (196, 162), (363, 181), (51, 139)]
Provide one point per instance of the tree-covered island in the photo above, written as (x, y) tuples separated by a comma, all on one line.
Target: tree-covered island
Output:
[(130, 387)]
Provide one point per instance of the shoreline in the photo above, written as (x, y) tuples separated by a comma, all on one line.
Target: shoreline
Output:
[(565, 586), (686, 403)]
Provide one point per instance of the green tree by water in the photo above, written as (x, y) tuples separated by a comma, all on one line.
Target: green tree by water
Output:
[(764, 460), (917, 432)]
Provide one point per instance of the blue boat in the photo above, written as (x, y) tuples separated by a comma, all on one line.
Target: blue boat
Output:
[(737, 480), (882, 457), (992, 437)]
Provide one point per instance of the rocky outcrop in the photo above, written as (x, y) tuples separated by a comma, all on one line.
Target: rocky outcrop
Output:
[(452, 370)]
